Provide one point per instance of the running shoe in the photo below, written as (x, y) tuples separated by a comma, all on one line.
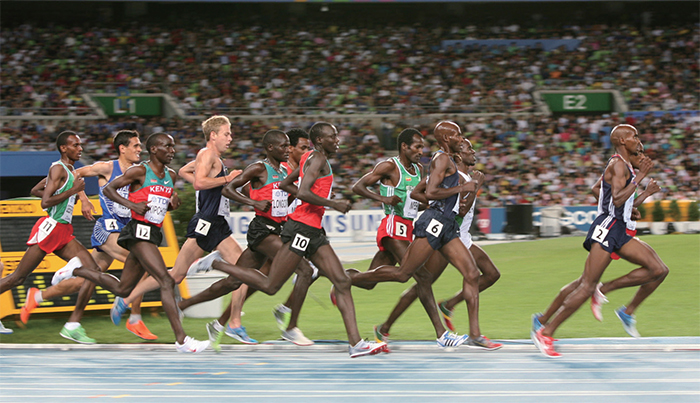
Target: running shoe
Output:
[(77, 335), (483, 343), (239, 334), (118, 309), (4, 330), (449, 339), (204, 265), (545, 344), (66, 271), (447, 315), (332, 294), (629, 323), (536, 324), (30, 304), (139, 329), (191, 345), (597, 301), (282, 315), (295, 336), (213, 330), (364, 347), (380, 337)]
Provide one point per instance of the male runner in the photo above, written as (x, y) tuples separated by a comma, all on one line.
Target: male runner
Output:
[(54, 233), (208, 228), (151, 195), (607, 235), (437, 263), (104, 243), (437, 230), (303, 235)]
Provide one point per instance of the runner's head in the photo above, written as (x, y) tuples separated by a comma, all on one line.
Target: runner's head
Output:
[(410, 144), (128, 145)]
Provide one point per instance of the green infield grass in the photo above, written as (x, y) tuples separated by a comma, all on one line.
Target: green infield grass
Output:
[(532, 273)]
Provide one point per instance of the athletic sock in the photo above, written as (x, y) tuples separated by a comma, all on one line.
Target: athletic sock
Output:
[(72, 325), (133, 318), (38, 297)]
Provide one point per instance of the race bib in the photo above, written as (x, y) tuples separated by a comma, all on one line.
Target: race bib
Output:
[(434, 228), (224, 207), (300, 242), (111, 224), (46, 228), (158, 207), (202, 227), (68, 213), (599, 233), (410, 208), (119, 209), (279, 203), (143, 232), (401, 229)]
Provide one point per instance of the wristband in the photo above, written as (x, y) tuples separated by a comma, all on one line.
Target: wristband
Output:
[(635, 182)]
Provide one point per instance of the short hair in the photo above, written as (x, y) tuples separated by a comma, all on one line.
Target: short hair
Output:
[(213, 124), (153, 140), (295, 134), (62, 138), (272, 136), (406, 136), (123, 138), (316, 130)]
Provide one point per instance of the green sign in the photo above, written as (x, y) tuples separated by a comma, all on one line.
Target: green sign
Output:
[(579, 101), (130, 105)]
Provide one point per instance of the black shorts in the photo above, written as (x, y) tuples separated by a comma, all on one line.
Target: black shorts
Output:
[(435, 226), (305, 239), (609, 232), (260, 228), (208, 231), (139, 231)]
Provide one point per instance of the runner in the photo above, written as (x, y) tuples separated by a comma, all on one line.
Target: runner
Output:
[(608, 234), (303, 235), (437, 263)]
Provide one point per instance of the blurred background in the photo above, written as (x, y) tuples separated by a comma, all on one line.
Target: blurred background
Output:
[(536, 87)]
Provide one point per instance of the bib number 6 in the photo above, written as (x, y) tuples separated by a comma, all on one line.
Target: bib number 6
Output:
[(434, 227)]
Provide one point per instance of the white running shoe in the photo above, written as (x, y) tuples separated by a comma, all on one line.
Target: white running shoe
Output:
[(203, 265), (4, 330), (191, 345), (597, 301), (364, 347), (297, 337), (449, 339), (66, 271)]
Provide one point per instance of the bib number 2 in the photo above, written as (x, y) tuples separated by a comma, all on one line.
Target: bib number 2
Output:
[(599, 233)]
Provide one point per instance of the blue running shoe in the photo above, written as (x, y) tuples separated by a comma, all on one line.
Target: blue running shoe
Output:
[(239, 334), (536, 325), (629, 323), (118, 309)]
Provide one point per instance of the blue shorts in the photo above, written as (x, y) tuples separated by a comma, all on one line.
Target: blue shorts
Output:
[(436, 227), (209, 232), (103, 227), (609, 232)]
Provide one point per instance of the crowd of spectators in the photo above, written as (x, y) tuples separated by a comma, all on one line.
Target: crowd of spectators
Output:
[(300, 69), (526, 158)]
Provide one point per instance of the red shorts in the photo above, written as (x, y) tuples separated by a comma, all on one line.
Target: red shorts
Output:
[(395, 227), (631, 233), (50, 235)]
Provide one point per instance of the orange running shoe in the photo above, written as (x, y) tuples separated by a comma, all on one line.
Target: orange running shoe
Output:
[(30, 304), (140, 329)]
